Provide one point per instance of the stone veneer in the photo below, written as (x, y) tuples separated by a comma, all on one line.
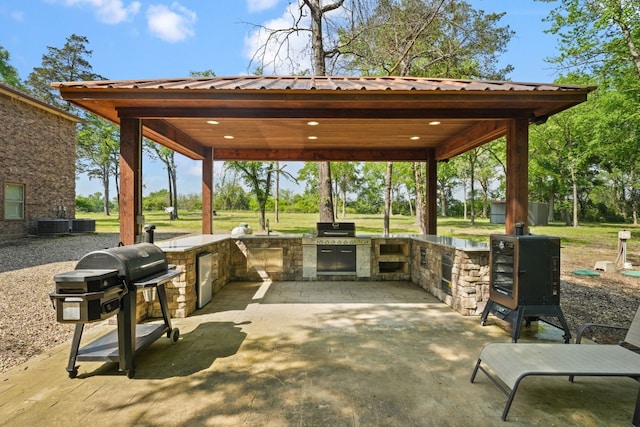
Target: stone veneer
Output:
[(234, 259), (37, 150), (282, 258), (469, 290)]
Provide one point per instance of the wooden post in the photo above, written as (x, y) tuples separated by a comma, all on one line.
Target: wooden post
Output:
[(432, 193), (517, 206), (207, 191), (130, 180)]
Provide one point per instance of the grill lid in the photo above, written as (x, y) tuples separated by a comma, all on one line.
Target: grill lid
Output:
[(133, 262), (336, 229)]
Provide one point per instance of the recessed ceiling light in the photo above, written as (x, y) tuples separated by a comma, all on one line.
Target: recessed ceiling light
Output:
[(435, 122), (228, 137), (213, 122), (312, 137), (313, 123), (415, 138)]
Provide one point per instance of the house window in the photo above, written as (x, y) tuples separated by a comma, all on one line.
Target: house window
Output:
[(13, 201)]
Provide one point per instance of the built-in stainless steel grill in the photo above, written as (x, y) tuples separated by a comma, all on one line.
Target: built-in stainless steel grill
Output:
[(336, 255), (105, 283)]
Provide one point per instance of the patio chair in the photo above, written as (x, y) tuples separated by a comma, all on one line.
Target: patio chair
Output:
[(507, 364)]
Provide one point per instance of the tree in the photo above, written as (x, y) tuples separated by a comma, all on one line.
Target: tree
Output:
[(280, 171), (69, 63), (566, 135), (434, 38), (369, 197), (345, 177), (98, 153), (602, 38), (279, 38), (230, 194), (598, 36), (167, 157), (491, 170), (258, 176), (614, 141), (8, 73), (447, 182), (387, 198)]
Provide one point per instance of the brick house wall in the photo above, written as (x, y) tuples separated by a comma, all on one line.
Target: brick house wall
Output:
[(37, 150)]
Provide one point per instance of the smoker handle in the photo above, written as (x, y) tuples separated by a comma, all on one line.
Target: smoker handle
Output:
[(326, 251), (85, 296), (95, 295)]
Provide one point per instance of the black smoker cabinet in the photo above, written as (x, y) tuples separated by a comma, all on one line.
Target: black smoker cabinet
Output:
[(524, 280)]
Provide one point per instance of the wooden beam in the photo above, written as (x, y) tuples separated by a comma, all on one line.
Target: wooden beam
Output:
[(478, 135), (517, 203), (130, 180), (432, 193), (335, 111), (359, 155), (162, 132), (207, 191)]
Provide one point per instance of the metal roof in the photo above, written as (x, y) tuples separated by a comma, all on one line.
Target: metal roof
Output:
[(322, 118)]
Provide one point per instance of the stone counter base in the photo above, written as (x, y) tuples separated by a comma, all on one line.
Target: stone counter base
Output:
[(458, 277)]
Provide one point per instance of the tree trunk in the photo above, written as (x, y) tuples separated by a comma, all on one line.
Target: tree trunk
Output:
[(410, 204), (276, 213), (574, 184), (387, 198), (174, 186), (443, 202), (485, 197), (324, 170), (472, 196), (634, 197), (105, 187), (464, 198), (551, 216), (421, 205), (326, 199)]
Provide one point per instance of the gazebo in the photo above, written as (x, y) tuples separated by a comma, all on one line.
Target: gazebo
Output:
[(310, 118)]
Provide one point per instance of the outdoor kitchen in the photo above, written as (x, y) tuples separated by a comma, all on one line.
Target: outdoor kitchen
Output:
[(335, 252)]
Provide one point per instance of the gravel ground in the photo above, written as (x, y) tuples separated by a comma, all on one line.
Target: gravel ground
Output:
[(28, 323)]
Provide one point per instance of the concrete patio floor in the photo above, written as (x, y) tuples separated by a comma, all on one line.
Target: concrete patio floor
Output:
[(308, 354)]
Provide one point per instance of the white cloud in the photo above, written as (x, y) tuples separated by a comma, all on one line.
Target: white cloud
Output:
[(17, 16), (260, 5), (283, 56), (108, 11), (171, 24)]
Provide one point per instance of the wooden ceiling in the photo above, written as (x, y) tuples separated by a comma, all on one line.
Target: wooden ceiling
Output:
[(321, 118)]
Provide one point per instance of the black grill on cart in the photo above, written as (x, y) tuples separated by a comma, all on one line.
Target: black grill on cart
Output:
[(105, 283)]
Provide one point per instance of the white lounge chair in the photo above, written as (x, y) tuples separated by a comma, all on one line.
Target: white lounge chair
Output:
[(508, 364)]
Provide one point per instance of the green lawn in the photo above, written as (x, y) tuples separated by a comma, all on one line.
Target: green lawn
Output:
[(593, 236)]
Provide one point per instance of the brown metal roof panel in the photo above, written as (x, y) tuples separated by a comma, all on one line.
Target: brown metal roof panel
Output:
[(330, 83)]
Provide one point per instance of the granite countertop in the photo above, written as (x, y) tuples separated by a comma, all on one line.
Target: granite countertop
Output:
[(182, 244)]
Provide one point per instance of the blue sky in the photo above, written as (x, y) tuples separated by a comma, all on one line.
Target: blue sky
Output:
[(165, 39)]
